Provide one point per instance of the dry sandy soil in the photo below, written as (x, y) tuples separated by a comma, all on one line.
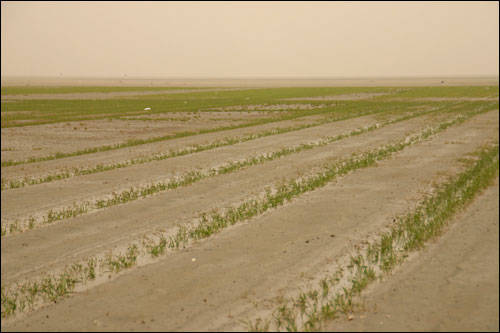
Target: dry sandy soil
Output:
[(451, 286), (249, 82), (242, 272), (36, 141), (41, 140)]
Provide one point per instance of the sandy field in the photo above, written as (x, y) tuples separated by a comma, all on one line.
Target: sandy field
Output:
[(251, 82), (451, 286), (34, 141), (244, 271)]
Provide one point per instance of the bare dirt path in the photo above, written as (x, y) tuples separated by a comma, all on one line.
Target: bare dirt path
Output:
[(243, 269), (450, 286)]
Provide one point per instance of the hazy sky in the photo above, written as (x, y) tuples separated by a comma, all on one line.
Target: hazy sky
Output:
[(221, 39)]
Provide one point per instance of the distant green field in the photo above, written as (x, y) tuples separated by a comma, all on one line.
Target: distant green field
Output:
[(474, 91), (37, 112)]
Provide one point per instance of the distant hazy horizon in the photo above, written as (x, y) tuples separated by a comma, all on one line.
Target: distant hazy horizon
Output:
[(284, 77), (251, 82), (241, 40)]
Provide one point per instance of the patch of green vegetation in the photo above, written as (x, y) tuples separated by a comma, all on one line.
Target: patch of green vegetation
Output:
[(120, 262), (456, 91), (410, 233), (48, 288), (259, 325), (53, 111)]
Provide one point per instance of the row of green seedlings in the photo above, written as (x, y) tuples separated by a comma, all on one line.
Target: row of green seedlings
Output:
[(16, 183), (28, 181), (197, 114), (311, 310), (129, 143), (132, 143), (214, 221), (34, 293), (183, 180), (49, 288), (136, 142)]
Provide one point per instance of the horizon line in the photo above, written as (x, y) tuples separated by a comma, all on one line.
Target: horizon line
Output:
[(249, 77)]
